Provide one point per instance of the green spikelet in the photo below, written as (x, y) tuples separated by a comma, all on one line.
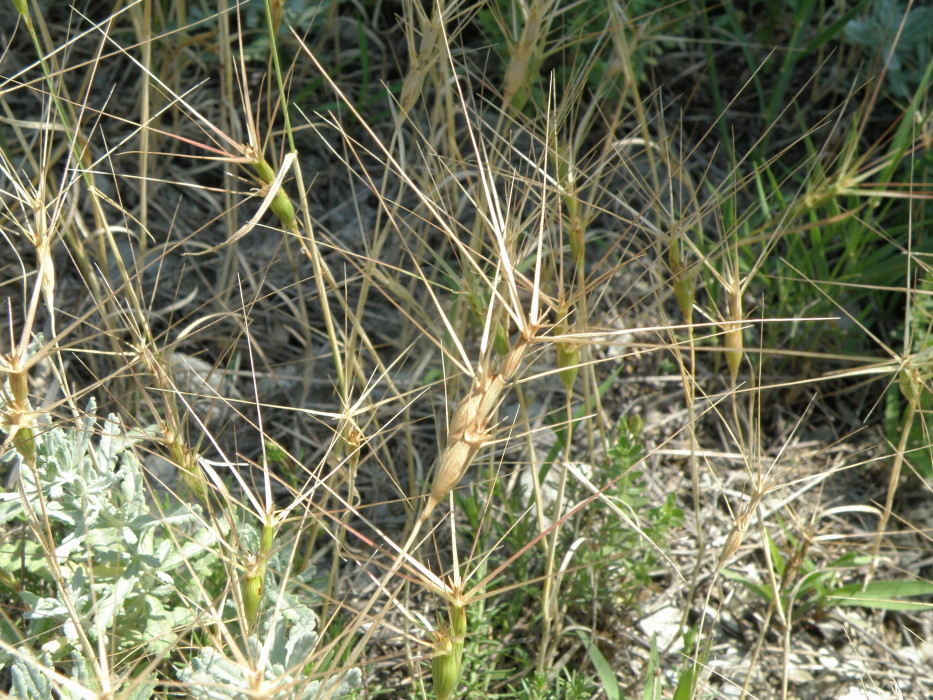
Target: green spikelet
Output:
[(501, 341), (568, 360), (251, 587), (683, 282), (447, 663), (281, 205)]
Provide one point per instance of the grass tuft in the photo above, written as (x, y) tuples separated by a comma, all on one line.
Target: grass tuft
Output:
[(501, 349)]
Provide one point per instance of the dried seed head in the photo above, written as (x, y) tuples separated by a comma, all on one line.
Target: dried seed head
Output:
[(467, 433), (525, 59), (737, 535), (732, 336), (490, 397), (514, 359), (734, 349), (46, 272), (19, 387), (350, 437), (469, 427), (17, 375), (466, 412), (454, 462), (411, 89), (515, 88), (421, 62)]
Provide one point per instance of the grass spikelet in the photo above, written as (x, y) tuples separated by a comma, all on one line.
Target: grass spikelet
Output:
[(196, 391), (732, 330), (19, 382), (251, 588), (736, 536), (447, 661), (24, 442), (469, 428), (276, 8), (682, 279), (568, 357), (422, 59), (268, 534), (281, 205), (575, 224), (740, 526), (446, 664), (501, 340), (17, 416), (185, 459), (526, 57)]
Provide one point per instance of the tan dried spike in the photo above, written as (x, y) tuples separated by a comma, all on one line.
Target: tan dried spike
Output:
[(521, 65), (425, 57), (469, 428), (735, 537), (739, 529), (733, 331)]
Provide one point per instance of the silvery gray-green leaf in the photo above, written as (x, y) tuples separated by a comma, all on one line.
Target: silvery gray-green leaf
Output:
[(28, 680)]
